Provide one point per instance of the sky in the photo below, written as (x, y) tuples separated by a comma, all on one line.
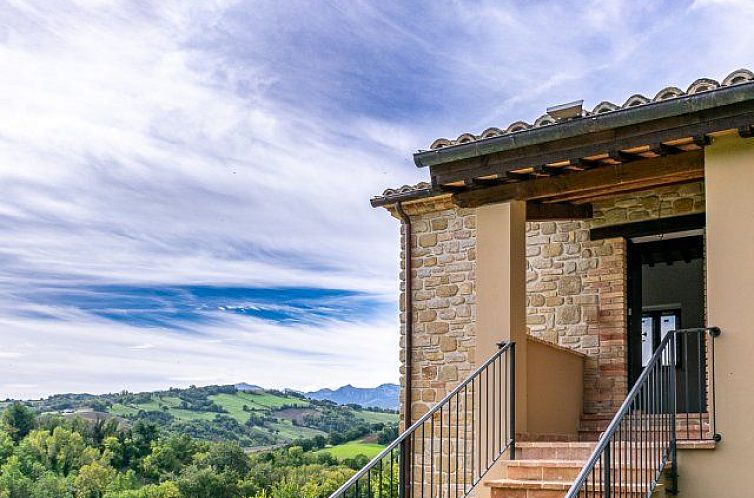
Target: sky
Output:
[(184, 186)]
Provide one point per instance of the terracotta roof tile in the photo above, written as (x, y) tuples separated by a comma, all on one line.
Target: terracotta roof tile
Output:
[(406, 189), (671, 92), (424, 189)]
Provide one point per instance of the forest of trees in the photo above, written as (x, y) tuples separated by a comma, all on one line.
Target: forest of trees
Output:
[(51, 456)]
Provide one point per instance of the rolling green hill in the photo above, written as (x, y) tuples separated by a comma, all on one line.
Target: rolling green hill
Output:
[(254, 419), (352, 449)]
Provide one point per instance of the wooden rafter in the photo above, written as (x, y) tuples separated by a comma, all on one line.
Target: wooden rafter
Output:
[(616, 145), (601, 181), (538, 211)]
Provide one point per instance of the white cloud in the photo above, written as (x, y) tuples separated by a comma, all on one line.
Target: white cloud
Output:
[(177, 143), (123, 157), (76, 352)]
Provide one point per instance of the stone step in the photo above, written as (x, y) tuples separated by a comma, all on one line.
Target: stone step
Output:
[(681, 425), (537, 450), (568, 470), (515, 488), (544, 470), (550, 437), (603, 419), (582, 450), (587, 436), (681, 435)]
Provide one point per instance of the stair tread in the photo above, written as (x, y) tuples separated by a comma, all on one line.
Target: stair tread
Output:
[(546, 463), (524, 484), (556, 485), (555, 444), (568, 463)]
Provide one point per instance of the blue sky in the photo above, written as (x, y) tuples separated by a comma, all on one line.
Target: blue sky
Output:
[(184, 186)]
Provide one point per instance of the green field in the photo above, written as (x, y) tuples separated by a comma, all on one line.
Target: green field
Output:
[(287, 430), (156, 404), (278, 417), (377, 417), (352, 449), (234, 403)]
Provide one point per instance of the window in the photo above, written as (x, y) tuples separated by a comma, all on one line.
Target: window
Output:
[(655, 325)]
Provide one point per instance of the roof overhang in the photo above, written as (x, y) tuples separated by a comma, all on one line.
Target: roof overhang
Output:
[(560, 167), (665, 119)]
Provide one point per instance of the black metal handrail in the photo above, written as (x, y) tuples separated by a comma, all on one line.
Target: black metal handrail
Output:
[(445, 453), (641, 440)]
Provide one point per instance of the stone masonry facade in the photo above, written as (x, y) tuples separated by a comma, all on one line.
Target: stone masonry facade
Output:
[(576, 291), (576, 288), (444, 263)]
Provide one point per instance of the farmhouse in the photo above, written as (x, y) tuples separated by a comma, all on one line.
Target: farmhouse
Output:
[(575, 304)]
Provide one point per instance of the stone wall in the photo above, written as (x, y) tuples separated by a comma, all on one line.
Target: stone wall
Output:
[(444, 262), (576, 288), (575, 291)]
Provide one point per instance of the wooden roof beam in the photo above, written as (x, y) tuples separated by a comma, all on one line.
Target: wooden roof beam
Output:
[(548, 170), (623, 157), (662, 149), (584, 163), (538, 211), (701, 141), (641, 173), (517, 175)]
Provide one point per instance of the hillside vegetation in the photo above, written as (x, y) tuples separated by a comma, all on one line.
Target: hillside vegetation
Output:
[(258, 419), (214, 441), (55, 456)]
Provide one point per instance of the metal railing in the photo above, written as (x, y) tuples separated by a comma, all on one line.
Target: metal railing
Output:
[(695, 384), (445, 453), (640, 442)]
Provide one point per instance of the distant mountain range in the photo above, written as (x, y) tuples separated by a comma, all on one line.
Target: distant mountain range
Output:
[(384, 396)]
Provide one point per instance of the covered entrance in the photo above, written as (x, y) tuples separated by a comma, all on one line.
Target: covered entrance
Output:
[(665, 277)]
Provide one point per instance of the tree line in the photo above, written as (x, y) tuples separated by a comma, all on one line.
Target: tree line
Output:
[(51, 456)]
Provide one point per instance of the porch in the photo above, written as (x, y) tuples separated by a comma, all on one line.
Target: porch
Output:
[(547, 271)]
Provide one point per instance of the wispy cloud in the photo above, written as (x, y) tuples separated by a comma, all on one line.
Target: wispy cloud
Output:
[(149, 150)]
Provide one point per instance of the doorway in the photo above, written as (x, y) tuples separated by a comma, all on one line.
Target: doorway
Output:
[(666, 292)]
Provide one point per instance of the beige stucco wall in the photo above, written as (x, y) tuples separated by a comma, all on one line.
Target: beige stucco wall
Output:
[(501, 289), (729, 174), (555, 388), (501, 301)]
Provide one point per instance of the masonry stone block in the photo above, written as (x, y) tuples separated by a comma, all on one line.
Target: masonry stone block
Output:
[(569, 285), (428, 240)]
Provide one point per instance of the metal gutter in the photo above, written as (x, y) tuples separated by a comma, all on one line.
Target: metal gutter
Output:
[(631, 116)]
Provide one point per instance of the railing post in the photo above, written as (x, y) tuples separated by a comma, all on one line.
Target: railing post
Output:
[(674, 409), (404, 470), (512, 413), (714, 333), (607, 484)]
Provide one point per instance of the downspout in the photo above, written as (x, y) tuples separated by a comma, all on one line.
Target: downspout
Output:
[(409, 313), (406, 459)]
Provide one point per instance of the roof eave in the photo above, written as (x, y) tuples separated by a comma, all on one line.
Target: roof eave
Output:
[(687, 104), (402, 197)]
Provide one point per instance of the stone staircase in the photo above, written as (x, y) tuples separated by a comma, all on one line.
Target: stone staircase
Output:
[(547, 469), (690, 426)]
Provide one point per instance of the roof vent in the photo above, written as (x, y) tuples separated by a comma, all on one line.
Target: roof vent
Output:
[(567, 111)]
